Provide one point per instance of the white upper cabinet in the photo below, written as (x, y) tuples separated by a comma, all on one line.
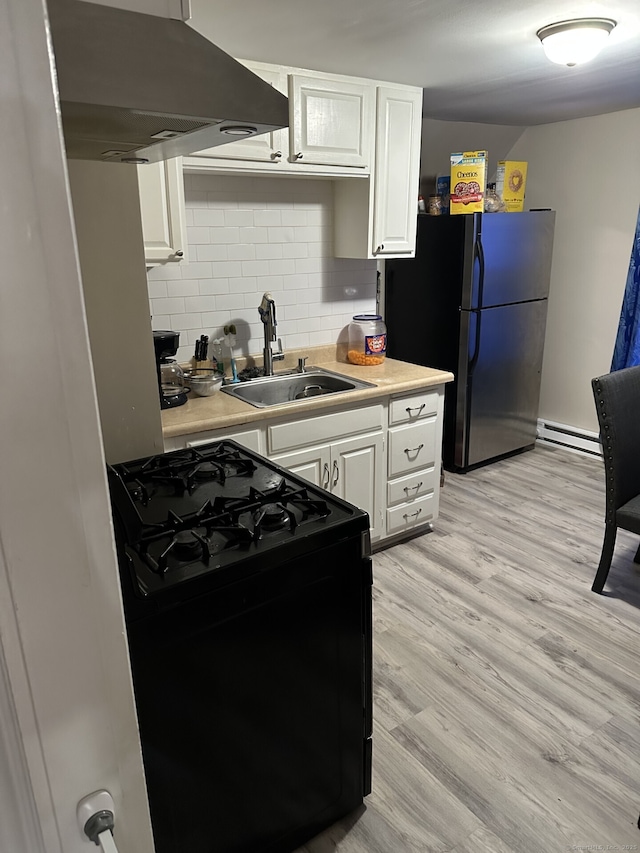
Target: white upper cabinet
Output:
[(162, 208), (397, 171), (265, 148), (379, 220), (331, 122)]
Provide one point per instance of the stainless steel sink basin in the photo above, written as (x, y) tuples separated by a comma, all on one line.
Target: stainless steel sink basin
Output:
[(293, 387)]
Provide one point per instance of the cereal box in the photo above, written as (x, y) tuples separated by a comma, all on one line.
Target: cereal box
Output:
[(511, 180), (468, 181)]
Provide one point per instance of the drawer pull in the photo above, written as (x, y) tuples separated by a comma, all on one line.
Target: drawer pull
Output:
[(409, 515), (417, 409), (408, 489), (417, 449), (336, 472)]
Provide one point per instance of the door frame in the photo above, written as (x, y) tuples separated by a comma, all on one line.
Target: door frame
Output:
[(65, 685)]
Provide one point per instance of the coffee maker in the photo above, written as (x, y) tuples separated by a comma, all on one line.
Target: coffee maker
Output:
[(170, 375)]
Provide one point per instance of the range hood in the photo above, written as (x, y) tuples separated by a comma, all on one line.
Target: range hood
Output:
[(137, 88)]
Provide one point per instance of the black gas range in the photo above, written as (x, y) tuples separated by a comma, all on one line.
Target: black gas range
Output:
[(247, 597)]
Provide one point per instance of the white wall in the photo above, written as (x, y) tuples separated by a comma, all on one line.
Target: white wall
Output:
[(441, 138), (247, 235), (587, 170)]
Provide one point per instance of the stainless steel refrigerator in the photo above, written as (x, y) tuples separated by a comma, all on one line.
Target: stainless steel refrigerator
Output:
[(474, 301)]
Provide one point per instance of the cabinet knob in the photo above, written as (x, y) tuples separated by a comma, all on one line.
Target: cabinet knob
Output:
[(179, 253), (298, 156), (276, 154), (380, 248)]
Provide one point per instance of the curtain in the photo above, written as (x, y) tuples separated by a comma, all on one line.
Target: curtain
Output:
[(627, 349)]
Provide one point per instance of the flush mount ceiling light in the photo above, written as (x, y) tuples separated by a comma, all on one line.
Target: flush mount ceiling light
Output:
[(574, 42)]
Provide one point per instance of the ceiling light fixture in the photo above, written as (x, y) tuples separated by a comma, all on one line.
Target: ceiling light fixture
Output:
[(574, 42)]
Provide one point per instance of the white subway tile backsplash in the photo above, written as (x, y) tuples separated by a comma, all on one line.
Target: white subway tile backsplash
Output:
[(227, 269), (195, 270), (231, 301), (268, 218), (167, 306), (295, 312), (254, 235), (281, 235), (294, 217), (284, 266), (213, 285), (181, 322), (184, 287), (241, 218), (157, 289), (241, 252), (212, 252), (247, 235), (226, 235), (294, 250), (269, 250), (193, 304), (197, 235), (257, 267)]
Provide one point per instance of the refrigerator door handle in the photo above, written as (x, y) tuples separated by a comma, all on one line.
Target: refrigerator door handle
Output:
[(473, 360), (479, 253)]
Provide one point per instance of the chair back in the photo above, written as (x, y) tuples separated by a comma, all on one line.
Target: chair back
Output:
[(617, 398)]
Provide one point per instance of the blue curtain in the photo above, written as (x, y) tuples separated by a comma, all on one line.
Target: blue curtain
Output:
[(627, 349)]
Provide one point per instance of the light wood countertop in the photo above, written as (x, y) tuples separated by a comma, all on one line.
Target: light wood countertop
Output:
[(223, 410)]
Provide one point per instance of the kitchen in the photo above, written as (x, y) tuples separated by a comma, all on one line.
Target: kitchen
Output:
[(56, 322)]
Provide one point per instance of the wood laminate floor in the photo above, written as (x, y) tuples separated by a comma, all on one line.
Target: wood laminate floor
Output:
[(506, 693)]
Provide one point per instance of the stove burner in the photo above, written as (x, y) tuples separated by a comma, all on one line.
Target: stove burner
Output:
[(185, 544), (274, 516)]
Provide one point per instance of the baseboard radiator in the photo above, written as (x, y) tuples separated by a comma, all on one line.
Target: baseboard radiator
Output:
[(570, 438)]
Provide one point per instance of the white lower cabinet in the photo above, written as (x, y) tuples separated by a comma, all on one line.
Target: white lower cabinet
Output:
[(413, 460), (351, 469), (384, 458), (249, 438)]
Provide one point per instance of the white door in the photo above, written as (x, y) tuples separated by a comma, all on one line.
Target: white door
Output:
[(312, 463), (357, 475), (398, 128), (331, 122), (65, 688)]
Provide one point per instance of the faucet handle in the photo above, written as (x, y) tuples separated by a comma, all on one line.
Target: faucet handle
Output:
[(301, 364), (278, 355)]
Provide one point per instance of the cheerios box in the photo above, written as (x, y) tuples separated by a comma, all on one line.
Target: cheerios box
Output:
[(511, 183), (468, 182)]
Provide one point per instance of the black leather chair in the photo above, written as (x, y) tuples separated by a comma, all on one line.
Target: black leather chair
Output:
[(617, 397)]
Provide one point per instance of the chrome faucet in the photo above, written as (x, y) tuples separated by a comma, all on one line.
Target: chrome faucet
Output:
[(267, 311)]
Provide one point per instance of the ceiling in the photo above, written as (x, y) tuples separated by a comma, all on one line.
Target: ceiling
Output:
[(477, 60)]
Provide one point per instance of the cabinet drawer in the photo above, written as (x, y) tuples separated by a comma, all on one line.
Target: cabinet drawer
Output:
[(403, 410), (250, 438), (410, 515), (411, 487), (412, 447), (326, 428)]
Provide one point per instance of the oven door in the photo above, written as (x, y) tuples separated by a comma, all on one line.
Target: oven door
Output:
[(254, 706)]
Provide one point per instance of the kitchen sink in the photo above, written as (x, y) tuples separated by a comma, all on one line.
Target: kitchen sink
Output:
[(282, 389)]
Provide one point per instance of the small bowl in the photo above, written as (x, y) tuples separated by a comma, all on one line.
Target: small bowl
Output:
[(203, 382)]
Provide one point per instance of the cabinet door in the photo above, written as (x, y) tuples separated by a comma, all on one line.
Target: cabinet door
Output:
[(357, 475), (398, 129), (331, 122), (162, 209), (267, 147), (313, 463)]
